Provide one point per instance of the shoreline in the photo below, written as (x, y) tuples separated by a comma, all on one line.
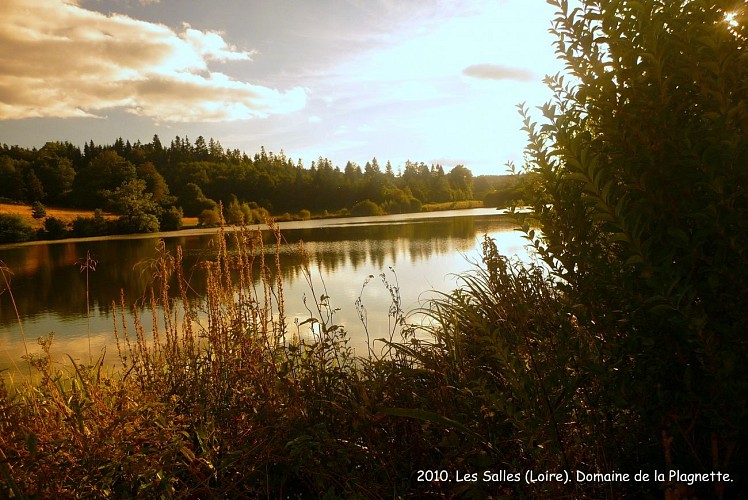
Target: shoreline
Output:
[(283, 225)]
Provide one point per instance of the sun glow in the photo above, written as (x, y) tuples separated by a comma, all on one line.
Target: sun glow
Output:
[(730, 18)]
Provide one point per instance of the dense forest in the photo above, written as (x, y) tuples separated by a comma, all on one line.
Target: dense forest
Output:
[(152, 186)]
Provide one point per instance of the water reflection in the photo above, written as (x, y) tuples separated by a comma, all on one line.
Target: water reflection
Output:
[(49, 281)]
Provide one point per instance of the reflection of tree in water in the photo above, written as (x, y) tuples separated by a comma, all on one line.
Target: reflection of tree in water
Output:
[(357, 254), (48, 277)]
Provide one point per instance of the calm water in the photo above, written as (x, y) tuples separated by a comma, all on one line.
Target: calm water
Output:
[(424, 250)]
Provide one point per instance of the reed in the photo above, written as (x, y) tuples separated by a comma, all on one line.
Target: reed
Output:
[(88, 265)]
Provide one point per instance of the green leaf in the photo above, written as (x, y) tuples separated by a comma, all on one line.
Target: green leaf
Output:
[(620, 237), (633, 260)]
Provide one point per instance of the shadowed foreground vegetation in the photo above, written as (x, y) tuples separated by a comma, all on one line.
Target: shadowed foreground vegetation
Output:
[(228, 399)]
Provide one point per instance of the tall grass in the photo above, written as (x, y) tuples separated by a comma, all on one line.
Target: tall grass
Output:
[(224, 398), (219, 398)]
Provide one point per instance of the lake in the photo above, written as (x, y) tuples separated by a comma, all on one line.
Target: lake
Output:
[(53, 288)]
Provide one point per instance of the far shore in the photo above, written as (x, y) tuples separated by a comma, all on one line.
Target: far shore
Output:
[(191, 226)]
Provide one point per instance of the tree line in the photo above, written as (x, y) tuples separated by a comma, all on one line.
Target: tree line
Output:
[(152, 186)]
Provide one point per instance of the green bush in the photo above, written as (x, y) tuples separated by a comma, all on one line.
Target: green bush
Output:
[(399, 201), (257, 215), (139, 222), (503, 197), (366, 208), (13, 229), (304, 214), (91, 226), (38, 211), (638, 181), (171, 219), (209, 218), (54, 228)]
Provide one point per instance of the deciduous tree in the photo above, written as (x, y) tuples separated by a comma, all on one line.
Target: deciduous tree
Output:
[(639, 175)]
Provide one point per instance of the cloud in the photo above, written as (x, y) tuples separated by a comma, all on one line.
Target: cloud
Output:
[(61, 60), (498, 72)]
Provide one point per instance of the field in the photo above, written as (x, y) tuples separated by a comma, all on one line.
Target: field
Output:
[(67, 215)]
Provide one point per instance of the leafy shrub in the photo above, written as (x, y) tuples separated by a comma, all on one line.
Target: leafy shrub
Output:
[(209, 218), (135, 223), (91, 226), (234, 212), (171, 219), (254, 214), (638, 176), (304, 214), (38, 211), (400, 201), (194, 202), (365, 208), (13, 229), (54, 228), (502, 197)]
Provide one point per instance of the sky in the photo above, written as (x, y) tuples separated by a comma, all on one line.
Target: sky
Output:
[(436, 81)]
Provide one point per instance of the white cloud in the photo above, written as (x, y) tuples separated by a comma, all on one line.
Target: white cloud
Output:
[(61, 60)]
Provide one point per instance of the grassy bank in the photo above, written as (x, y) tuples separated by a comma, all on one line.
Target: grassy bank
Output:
[(66, 215), (451, 205)]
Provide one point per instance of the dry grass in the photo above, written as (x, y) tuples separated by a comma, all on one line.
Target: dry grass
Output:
[(222, 398), (67, 215), (188, 222)]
